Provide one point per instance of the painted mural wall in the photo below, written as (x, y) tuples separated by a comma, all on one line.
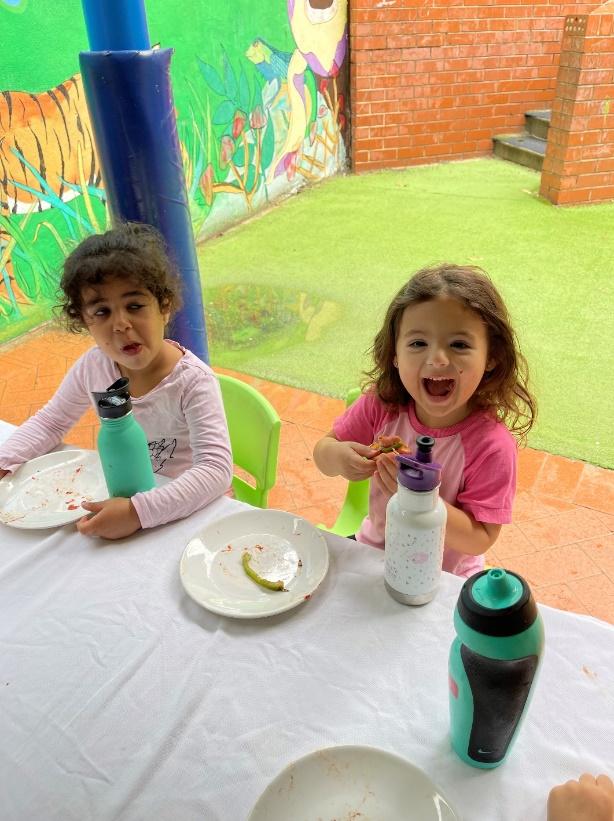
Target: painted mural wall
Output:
[(260, 91)]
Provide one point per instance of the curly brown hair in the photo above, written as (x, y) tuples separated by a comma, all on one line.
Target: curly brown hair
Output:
[(131, 251), (504, 390)]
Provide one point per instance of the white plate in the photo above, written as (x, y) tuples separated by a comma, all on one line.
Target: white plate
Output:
[(361, 783), (48, 491), (283, 547)]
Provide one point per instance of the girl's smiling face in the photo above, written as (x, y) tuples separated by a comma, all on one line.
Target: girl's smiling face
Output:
[(126, 322), (441, 355)]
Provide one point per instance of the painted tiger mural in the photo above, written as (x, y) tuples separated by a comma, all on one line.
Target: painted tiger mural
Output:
[(45, 140)]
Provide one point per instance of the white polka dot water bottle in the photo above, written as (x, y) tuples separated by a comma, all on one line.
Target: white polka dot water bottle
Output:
[(415, 528)]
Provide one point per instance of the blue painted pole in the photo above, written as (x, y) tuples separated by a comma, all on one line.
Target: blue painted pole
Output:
[(116, 25), (131, 108)]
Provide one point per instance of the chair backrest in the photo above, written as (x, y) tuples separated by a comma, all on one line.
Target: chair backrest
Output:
[(356, 503), (254, 426)]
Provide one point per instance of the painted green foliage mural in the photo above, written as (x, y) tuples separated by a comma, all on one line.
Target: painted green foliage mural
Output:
[(260, 94)]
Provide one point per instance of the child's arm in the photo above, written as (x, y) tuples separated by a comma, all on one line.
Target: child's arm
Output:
[(45, 429), (466, 535), (352, 460), (588, 799), (211, 473), (199, 399), (463, 533)]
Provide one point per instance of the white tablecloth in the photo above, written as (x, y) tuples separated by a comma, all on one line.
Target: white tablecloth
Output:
[(120, 698)]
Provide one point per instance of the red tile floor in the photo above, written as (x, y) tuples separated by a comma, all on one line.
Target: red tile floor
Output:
[(562, 538)]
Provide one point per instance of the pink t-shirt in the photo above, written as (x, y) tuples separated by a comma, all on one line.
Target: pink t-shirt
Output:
[(183, 419), (478, 458)]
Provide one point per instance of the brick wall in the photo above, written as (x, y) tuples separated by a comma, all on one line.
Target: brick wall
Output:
[(579, 162), (436, 79)]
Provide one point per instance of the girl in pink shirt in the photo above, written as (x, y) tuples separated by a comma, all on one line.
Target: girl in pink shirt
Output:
[(446, 364), (120, 287)]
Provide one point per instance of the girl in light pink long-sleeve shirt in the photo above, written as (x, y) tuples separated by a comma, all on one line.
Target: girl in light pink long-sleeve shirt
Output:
[(120, 287)]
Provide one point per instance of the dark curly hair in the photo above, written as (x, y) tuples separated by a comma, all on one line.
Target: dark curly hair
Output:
[(131, 251), (504, 390)]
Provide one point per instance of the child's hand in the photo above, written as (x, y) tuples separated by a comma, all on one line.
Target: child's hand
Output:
[(112, 519), (355, 461), (588, 799), (387, 470)]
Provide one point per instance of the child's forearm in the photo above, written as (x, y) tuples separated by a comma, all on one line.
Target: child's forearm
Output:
[(184, 495), (31, 439), (325, 456), (45, 429), (466, 535)]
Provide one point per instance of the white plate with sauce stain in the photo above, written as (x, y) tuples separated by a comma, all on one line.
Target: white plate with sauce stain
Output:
[(283, 547), (352, 784), (48, 491)]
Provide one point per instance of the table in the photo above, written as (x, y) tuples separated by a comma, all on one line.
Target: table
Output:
[(121, 698)]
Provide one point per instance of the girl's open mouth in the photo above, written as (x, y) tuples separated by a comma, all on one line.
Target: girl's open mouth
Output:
[(132, 349), (438, 387)]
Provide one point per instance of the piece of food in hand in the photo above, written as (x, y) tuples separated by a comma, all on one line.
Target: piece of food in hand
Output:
[(389, 444), (245, 561)]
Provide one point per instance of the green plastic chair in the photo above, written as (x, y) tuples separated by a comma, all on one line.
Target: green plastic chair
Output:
[(356, 503), (254, 426)]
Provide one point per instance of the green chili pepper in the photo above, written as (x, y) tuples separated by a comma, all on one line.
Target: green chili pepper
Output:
[(245, 561)]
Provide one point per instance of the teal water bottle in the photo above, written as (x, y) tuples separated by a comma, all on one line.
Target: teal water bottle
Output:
[(494, 661), (122, 444)]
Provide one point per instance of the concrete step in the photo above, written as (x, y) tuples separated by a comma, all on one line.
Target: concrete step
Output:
[(521, 148), (537, 123)]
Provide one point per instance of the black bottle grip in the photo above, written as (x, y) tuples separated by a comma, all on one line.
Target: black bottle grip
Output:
[(500, 691)]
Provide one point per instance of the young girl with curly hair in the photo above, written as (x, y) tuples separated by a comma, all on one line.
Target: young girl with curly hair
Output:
[(120, 287), (446, 364)]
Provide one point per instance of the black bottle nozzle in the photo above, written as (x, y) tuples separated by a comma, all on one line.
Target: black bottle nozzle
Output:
[(115, 401), (424, 446)]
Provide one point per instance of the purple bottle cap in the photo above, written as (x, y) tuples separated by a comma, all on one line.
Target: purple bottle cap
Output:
[(419, 473)]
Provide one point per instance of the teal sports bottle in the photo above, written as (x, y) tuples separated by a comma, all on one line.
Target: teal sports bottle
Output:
[(494, 661), (122, 444)]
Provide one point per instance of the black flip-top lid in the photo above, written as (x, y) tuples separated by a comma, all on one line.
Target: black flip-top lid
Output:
[(504, 621), (115, 401)]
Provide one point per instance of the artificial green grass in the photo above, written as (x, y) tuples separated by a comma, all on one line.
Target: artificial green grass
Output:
[(29, 317), (354, 240)]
